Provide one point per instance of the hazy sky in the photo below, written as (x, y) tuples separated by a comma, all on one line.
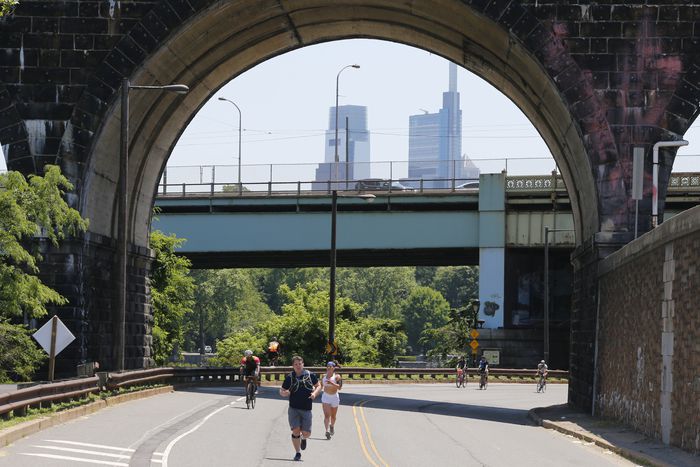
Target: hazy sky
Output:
[(285, 107)]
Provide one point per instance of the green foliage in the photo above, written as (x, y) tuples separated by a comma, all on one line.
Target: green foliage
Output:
[(21, 356), (424, 309), (302, 329), (458, 284), (172, 295), (27, 209), (226, 301), (7, 6), (381, 290), (269, 281)]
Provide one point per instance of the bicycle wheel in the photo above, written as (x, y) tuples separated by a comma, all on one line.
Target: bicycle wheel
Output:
[(458, 381), (252, 396), (249, 394)]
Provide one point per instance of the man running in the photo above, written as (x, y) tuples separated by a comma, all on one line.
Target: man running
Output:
[(302, 387)]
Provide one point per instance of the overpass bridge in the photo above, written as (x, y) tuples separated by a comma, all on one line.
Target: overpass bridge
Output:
[(498, 225)]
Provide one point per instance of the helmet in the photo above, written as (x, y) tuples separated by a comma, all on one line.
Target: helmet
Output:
[(541, 361), (274, 338), (248, 353)]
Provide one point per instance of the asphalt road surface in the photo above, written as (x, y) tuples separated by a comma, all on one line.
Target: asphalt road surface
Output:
[(378, 425)]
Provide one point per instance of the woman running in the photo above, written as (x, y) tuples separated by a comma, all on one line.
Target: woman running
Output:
[(331, 384)]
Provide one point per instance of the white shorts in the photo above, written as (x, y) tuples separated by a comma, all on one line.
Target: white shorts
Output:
[(332, 399)]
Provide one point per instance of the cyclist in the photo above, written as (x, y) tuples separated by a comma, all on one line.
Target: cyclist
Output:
[(273, 351), (462, 368), (250, 365), (542, 371), (483, 371)]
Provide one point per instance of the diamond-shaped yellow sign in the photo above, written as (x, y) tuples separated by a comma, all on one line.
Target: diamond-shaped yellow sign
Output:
[(474, 344), (474, 333)]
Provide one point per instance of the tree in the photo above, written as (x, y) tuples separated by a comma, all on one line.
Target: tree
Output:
[(458, 284), (7, 6), (172, 295), (424, 309), (381, 290), (29, 210), (20, 357), (226, 301)]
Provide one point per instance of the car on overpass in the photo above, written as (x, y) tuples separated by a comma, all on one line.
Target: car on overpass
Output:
[(379, 184)]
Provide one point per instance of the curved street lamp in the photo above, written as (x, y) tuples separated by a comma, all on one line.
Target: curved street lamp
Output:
[(335, 143), (123, 193), (240, 119)]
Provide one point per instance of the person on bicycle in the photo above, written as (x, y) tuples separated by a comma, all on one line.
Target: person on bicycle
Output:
[(483, 366), (250, 364), (273, 351), (462, 367), (542, 369)]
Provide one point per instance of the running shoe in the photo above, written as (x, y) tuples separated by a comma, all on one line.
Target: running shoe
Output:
[(328, 435), (297, 456), (303, 444)]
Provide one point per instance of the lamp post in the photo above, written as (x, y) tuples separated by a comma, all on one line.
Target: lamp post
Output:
[(123, 193), (240, 119), (335, 143), (547, 231), (331, 298)]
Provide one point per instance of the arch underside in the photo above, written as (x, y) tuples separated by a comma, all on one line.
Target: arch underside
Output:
[(231, 37)]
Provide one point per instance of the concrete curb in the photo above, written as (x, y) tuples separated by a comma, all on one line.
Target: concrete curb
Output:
[(12, 434), (634, 456)]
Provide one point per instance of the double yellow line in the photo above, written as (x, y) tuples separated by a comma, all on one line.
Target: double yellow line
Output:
[(358, 407)]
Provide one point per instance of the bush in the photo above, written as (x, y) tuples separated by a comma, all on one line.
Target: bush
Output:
[(21, 356)]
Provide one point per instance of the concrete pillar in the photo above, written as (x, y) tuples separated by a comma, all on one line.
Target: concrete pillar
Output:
[(492, 242)]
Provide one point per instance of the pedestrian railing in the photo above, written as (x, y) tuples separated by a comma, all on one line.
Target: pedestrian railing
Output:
[(44, 395)]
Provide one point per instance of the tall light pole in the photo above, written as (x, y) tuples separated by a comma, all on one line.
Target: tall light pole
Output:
[(331, 298), (334, 212), (547, 231), (122, 252), (337, 82), (240, 119)]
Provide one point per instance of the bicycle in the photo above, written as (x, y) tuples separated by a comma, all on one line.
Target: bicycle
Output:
[(250, 392), (542, 384), (484, 380), (461, 378)]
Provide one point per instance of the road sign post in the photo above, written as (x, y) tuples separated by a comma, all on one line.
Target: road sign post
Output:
[(53, 337)]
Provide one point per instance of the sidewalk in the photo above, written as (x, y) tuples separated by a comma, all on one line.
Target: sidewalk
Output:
[(613, 436)]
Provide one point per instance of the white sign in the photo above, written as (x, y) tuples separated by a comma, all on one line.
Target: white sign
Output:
[(493, 356), (63, 336)]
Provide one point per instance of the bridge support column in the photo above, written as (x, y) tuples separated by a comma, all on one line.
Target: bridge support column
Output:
[(492, 242), (84, 271)]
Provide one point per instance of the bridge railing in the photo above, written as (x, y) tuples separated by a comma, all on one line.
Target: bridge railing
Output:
[(43, 395)]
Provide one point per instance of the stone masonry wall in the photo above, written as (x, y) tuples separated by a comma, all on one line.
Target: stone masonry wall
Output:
[(648, 362), (82, 271)]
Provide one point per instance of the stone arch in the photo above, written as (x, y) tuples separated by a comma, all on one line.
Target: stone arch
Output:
[(508, 47)]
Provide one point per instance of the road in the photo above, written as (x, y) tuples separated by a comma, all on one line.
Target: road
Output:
[(378, 425)]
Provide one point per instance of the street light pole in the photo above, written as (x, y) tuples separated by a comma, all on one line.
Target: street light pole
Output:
[(337, 82), (547, 231), (123, 193), (240, 119), (331, 296)]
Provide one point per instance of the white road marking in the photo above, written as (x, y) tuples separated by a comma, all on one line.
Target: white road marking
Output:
[(84, 451), (89, 445), (77, 459), (195, 428)]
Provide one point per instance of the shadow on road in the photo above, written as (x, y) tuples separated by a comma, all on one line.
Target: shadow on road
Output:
[(448, 409)]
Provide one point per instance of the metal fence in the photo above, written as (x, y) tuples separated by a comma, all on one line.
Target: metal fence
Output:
[(44, 395)]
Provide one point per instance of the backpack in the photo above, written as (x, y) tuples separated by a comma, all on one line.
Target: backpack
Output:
[(305, 380)]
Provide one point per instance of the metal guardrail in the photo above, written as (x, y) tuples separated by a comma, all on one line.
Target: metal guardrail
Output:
[(42, 395)]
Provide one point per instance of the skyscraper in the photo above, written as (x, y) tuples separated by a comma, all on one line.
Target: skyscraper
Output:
[(435, 141), (353, 146)]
